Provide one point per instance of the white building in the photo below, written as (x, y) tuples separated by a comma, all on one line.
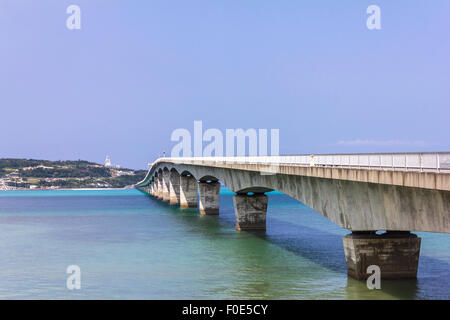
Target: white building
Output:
[(108, 163)]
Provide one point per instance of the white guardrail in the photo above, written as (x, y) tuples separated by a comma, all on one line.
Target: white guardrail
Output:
[(427, 161)]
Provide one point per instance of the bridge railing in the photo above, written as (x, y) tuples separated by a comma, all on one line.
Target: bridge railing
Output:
[(434, 162)]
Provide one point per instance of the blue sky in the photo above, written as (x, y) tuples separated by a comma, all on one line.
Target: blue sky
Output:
[(137, 70)]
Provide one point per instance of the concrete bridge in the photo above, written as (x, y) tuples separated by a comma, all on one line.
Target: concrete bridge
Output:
[(364, 193)]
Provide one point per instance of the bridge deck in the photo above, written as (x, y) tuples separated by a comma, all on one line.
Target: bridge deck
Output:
[(422, 162), (418, 170)]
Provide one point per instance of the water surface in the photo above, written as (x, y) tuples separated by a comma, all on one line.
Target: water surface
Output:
[(131, 246)]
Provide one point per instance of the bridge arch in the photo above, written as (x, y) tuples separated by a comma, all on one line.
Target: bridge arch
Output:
[(186, 173), (207, 178), (255, 189)]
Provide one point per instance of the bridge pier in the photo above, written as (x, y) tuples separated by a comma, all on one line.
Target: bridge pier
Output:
[(250, 211), (395, 252), (159, 186), (153, 189), (188, 192), (165, 185), (174, 187), (208, 197), (150, 189)]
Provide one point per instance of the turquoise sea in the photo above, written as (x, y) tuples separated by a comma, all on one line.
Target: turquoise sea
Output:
[(129, 245)]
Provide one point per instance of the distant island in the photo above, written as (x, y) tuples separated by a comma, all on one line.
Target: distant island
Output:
[(20, 174)]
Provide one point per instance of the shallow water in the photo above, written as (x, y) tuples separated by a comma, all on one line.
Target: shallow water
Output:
[(131, 246)]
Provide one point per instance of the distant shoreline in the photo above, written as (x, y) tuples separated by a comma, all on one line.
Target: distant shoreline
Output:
[(31, 174)]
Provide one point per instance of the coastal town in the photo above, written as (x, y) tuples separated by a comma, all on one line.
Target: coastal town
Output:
[(29, 174)]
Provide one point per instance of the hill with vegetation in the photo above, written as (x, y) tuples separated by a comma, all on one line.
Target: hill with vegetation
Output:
[(46, 174)]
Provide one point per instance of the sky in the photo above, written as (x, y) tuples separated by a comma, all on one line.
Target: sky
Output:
[(138, 70)]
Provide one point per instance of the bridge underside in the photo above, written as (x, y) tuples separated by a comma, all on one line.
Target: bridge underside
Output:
[(361, 207)]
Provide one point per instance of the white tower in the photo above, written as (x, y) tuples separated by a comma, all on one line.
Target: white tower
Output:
[(107, 162)]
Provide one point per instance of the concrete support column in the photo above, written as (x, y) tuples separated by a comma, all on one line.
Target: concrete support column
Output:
[(250, 211), (208, 197), (395, 252), (159, 184), (152, 188), (155, 184), (188, 192), (165, 185), (174, 187)]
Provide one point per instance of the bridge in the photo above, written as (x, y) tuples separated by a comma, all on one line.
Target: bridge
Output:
[(364, 193)]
